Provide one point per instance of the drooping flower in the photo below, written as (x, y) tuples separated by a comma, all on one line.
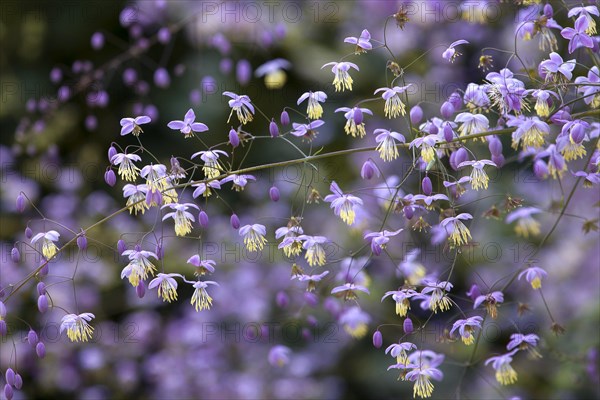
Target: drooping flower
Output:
[(379, 240), (291, 244), (139, 266), (311, 279), (127, 170), (506, 92), (394, 106), (355, 322), (77, 326), (590, 178), (490, 301), (205, 189), (48, 238), (438, 291), (315, 253), (411, 268), (254, 236), (586, 12), (402, 299), (450, 54), (526, 225), (242, 105), (183, 218), (400, 351), (476, 97), (458, 233), (363, 42), (136, 194), (472, 123), (342, 79), (556, 70), (307, 131), (202, 266), (505, 374), (589, 87), (387, 143), (348, 289), (188, 126), (201, 300), (422, 377), (479, 178), (570, 140), (279, 356), (543, 101), (211, 168), (132, 125), (427, 146), (274, 72), (167, 286), (343, 204), (530, 132), (156, 176), (466, 327), (354, 125), (314, 109), (239, 181), (556, 162), (524, 342), (577, 36), (534, 276)]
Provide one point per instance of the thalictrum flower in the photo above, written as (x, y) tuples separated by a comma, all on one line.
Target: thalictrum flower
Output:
[(479, 178), (127, 170), (139, 266), (426, 144), (534, 276), (556, 70), (202, 266), (421, 376), (394, 106), (524, 342), (342, 79), (188, 126), (411, 268), (353, 127), (291, 245), (342, 204), (427, 201), (400, 351), (471, 123), (155, 176), (274, 73), (315, 253), (239, 181), (201, 300), (279, 356), (439, 300), (49, 249), (556, 162), (507, 92), (577, 36), (476, 97), (590, 92), (543, 101), (77, 326), (490, 300), (363, 42), (379, 240), (590, 178), (132, 125), (570, 140), (205, 189), (307, 131), (586, 12), (211, 167), (311, 279), (531, 131), (254, 236), (458, 233), (242, 105), (167, 286), (136, 194), (526, 225), (386, 143), (505, 374), (347, 290), (450, 54), (466, 327), (355, 322), (314, 109), (183, 218), (402, 299)]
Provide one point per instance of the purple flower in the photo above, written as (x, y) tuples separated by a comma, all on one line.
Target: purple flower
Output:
[(48, 238), (363, 43), (273, 71), (466, 327), (127, 170), (394, 106), (369, 169), (354, 125), (471, 123), (422, 375), (379, 240), (139, 266), (543, 101), (254, 236), (411, 268), (279, 356), (506, 92), (458, 233), (400, 351), (526, 225), (132, 125), (314, 109), (490, 300), (524, 342), (591, 92), (586, 12), (342, 79), (311, 279), (188, 126), (479, 178), (202, 266), (183, 218), (77, 326), (136, 194), (387, 143), (343, 204), (242, 105), (439, 299), (205, 189), (476, 97), (167, 286), (239, 181), (426, 144), (211, 168), (201, 300), (355, 322), (347, 291), (307, 131), (590, 178), (534, 276), (550, 69), (531, 131), (577, 36), (505, 374), (450, 54), (402, 299)]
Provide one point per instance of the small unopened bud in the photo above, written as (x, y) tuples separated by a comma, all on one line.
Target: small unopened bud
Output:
[(2, 311), (273, 129), (140, 289), (41, 288), (234, 138), (18, 382), (235, 221), (407, 325), (203, 218), (548, 11), (32, 338), (498, 159), (15, 255), (121, 246), (8, 392), (448, 132), (28, 233), (20, 202), (40, 350), (447, 109), (578, 133), (285, 118), (368, 170), (426, 186), (97, 41), (495, 145), (162, 78), (10, 376), (409, 212), (311, 299), (377, 339), (456, 101), (416, 115), (243, 72), (164, 35), (457, 157), (159, 250), (282, 300), (474, 292), (109, 177), (82, 241), (112, 151), (274, 193), (44, 269), (42, 303)]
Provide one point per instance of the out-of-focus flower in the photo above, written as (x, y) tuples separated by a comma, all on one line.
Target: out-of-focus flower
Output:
[(526, 225), (411, 268), (466, 327), (279, 356), (189, 125), (342, 79), (132, 125), (534, 276), (347, 290), (590, 178), (314, 109), (274, 72), (77, 326), (524, 342), (48, 238), (450, 54), (490, 301), (505, 374), (311, 279), (590, 92), (343, 204), (355, 322)]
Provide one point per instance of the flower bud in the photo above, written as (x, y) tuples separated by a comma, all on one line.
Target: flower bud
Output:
[(112, 151), (32, 337), (407, 325), (109, 177), (82, 241), (159, 250), (161, 78), (426, 186), (495, 145), (8, 392), (306, 334), (416, 115), (433, 129), (273, 129), (578, 133), (474, 292), (18, 382), (235, 221), (203, 218), (548, 11), (456, 101), (140, 289), (40, 350), (15, 255), (42, 303), (41, 288), (164, 35), (285, 118), (377, 339), (28, 233), (121, 246), (91, 123), (234, 138), (368, 170), (311, 299), (43, 269), (447, 109), (457, 157), (10, 376), (448, 132), (409, 212), (243, 71), (281, 299), (2, 311), (357, 116), (225, 65), (498, 159), (274, 193), (20, 202), (97, 41)]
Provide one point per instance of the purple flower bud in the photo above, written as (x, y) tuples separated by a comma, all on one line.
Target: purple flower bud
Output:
[(285, 118), (311, 320), (112, 151), (306, 334), (195, 97), (273, 129), (20, 202), (578, 133), (498, 159), (234, 138), (56, 75), (63, 94), (495, 145), (457, 157), (164, 35), (448, 133), (203, 218), (121, 246), (8, 392), (109, 177), (274, 193), (129, 77), (281, 299), (311, 299), (44, 269), (42, 303), (368, 170), (426, 186), (407, 325), (456, 101), (235, 221), (225, 65), (416, 115), (28, 233), (91, 123), (41, 288), (447, 109), (243, 71), (140, 289), (474, 292), (30, 105), (15, 255), (40, 350), (82, 241), (409, 212), (548, 11), (377, 339), (18, 382), (161, 78), (3, 328), (97, 41), (10, 376), (357, 116), (32, 337), (433, 129)]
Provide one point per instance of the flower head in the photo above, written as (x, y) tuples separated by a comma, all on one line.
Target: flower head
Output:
[(342, 79), (534, 276), (379, 240), (387, 143), (167, 286), (347, 290), (355, 322), (136, 194), (307, 131), (577, 36), (490, 300), (127, 170), (202, 266), (524, 342), (343, 204), (556, 70), (471, 123), (411, 268), (438, 292), (363, 42), (315, 253), (201, 300), (458, 233), (479, 178), (591, 91), (211, 168), (181, 216), (530, 132), (354, 125), (311, 279), (426, 144), (239, 181), (48, 238), (505, 374), (400, 351), (205, 189), (394, 106), (526, 225), (314, 109), (586, 12), (189, 125), (274, 73), (132, 125), (450, 54), (254, 236), (242, 105), (77, 326), (402, 299), (466, 327), (139, 266)]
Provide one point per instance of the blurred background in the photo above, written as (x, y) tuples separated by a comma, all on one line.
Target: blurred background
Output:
[(70, 72)]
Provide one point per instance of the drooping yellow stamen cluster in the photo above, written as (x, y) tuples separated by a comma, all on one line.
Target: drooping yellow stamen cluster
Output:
[(394, 107)]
